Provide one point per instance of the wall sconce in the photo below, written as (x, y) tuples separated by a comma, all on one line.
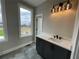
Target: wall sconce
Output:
[(62, 6)]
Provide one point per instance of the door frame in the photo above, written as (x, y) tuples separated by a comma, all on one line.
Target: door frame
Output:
[(37, 15)]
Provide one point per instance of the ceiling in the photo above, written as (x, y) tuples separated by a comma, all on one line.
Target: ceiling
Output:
[(34, 2)]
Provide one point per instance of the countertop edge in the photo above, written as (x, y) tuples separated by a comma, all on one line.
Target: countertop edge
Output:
[(44, 37)]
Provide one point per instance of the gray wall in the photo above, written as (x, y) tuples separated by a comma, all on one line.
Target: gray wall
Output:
[(61, 23), (11, 21)]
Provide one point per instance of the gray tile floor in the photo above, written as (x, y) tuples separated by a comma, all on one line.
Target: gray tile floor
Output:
[(28, 52)]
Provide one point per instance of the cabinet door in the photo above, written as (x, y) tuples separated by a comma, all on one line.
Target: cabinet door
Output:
[(40, 47), (48, 50), (44, 49), (61, 53)]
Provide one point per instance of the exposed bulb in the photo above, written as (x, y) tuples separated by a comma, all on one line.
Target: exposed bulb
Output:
[(69, 5), (59, 9), (53, 10)]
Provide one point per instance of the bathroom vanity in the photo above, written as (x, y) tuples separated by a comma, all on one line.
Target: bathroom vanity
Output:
[(51, 48)]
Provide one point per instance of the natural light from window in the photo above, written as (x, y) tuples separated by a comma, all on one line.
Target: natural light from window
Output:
[(1, 25), (25, 22)]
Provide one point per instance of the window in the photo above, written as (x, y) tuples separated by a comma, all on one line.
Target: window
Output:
[(1, 25), (25, 22)]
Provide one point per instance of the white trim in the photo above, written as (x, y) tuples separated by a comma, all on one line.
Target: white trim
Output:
[(4, 17), (38, 15), (15, 48), (26, 35)]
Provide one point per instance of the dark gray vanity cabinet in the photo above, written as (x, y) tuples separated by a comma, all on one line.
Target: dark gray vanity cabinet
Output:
[(51, 51)]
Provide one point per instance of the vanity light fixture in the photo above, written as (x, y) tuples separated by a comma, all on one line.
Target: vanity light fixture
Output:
[(62, 6)]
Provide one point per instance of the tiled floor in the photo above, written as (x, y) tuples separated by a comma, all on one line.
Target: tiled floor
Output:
[(28, 52)]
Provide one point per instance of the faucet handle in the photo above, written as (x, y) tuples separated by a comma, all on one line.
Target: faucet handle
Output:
[(60, 38), (54, 36)]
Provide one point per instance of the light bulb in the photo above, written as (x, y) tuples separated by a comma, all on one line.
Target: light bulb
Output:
[(59, 9), (53, 10), (69, 5)]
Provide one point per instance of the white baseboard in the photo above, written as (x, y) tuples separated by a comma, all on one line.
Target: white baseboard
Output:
[(15, 48)]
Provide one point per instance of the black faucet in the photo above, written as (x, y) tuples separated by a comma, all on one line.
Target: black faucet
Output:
[(57, 37)]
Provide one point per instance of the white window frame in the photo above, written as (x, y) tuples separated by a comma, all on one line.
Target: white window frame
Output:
[(4, 22), (30, 9)]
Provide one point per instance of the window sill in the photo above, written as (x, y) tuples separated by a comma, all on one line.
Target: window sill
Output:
[(23, 36), (2, 39)]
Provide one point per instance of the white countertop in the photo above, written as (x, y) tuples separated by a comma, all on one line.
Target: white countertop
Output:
[(64, 43)]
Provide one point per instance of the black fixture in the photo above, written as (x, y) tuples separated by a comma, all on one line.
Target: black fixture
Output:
[(66, 5), (60, 7), (57, 37)]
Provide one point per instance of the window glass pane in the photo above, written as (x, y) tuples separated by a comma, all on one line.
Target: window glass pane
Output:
[(1, 24), (26, 24)]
